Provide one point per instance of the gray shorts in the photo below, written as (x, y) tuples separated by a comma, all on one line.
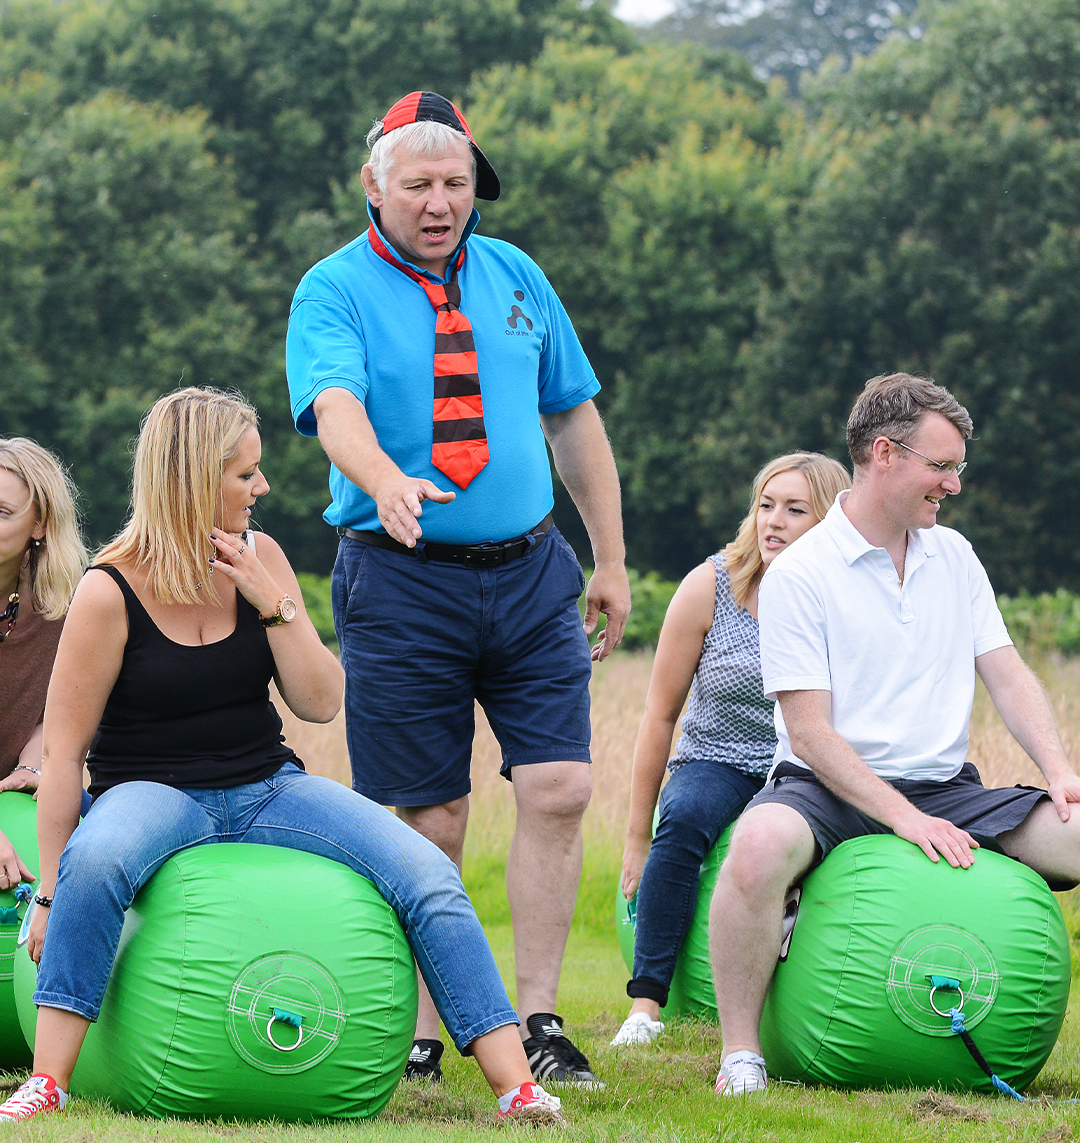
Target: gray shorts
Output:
[(963, 800)]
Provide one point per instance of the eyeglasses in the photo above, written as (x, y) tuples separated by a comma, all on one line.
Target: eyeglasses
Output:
[(945, 466)]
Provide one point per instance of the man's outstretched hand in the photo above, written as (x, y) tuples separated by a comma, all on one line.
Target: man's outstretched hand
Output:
[(399, 505)]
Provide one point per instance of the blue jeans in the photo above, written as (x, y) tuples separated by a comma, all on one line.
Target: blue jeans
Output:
[(700, 800), (132, 829)]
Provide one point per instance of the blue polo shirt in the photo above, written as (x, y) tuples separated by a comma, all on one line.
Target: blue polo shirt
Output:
[(357, 323)]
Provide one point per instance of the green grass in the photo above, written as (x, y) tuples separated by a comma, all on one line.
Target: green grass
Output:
[(485, 881)]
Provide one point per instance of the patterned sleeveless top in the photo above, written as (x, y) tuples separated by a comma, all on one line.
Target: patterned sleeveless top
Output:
[(728, 718)]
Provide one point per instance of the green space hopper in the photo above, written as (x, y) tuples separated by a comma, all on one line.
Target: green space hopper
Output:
[(854, 1005), (18, 823), (252, 982)]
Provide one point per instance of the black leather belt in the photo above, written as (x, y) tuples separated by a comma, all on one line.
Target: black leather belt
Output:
[(464, 555)]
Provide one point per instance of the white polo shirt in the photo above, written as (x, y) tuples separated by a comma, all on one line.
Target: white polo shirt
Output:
[(899, 661)]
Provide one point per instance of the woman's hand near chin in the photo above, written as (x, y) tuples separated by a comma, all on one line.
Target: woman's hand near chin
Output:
[(238, 561), (308, 675)]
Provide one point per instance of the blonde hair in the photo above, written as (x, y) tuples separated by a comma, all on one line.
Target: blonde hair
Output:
[(186, 441), (56, 565), (742, 557)]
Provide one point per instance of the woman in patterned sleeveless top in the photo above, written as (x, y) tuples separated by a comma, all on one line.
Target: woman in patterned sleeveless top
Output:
[(162, 674), (710, 640)]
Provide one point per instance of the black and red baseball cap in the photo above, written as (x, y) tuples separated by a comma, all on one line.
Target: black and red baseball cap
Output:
[(418, 106)]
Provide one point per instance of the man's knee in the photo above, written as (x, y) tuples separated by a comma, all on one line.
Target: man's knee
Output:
[(1047, 844), (443, 824), (772, 846), (553, 790)]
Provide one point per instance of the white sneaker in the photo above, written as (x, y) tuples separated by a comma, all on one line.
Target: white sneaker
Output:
[(637, 1029), (741, 1073)]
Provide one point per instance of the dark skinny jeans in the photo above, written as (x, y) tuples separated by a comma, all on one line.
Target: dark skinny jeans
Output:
[(700, 800)]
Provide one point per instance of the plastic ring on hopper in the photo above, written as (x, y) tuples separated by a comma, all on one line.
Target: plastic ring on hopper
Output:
[(274, 1017)]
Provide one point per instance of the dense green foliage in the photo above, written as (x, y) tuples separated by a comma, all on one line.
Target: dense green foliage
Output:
[(168, 171), (785, 37), (737, 262), (942, 233), (1043, 624), (642, 185)]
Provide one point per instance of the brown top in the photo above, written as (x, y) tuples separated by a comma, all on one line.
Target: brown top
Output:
[(26, 661)]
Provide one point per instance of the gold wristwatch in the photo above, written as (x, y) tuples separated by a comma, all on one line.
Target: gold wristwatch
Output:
[(286, 613)]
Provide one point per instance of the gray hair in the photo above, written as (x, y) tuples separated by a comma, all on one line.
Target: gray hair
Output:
[(426, 138), (893, 405)]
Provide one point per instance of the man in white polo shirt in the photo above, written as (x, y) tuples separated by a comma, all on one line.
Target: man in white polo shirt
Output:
[(873, 627)]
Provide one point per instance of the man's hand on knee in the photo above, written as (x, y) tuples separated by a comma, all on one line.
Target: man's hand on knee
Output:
[(937, 836)]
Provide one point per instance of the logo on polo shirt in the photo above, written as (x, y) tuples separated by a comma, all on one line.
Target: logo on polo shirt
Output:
[(516, 315)]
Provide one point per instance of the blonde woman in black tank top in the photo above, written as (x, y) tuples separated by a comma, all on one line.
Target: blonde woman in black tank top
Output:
[(162, 675)]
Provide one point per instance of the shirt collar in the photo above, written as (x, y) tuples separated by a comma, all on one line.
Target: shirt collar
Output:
[(853, 544), (466, 234)]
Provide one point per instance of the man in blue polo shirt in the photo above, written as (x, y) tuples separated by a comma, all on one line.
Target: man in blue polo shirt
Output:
[(436, 366)]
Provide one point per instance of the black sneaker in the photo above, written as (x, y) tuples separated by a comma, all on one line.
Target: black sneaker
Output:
[(552, 1058), (424, 1062)]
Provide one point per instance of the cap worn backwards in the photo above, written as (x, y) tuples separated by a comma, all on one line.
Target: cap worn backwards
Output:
[(419, 106)]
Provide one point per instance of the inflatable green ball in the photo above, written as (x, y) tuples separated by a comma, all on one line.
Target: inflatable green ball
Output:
[(18, 823), (852, 1005), (251, 982), (691, 992)]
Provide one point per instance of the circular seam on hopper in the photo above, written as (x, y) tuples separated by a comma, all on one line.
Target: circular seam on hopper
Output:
[(909, 969), (320, 1039)]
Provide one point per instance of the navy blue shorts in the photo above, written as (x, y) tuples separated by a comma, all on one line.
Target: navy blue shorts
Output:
[(421, 641)]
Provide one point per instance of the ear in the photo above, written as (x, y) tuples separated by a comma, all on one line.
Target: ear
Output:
[(371, 187), (881, 454)]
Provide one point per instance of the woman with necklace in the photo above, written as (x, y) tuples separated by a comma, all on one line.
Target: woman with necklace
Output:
[(41, 559)]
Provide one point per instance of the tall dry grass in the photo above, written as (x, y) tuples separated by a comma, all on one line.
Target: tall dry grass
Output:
[(618, 698)]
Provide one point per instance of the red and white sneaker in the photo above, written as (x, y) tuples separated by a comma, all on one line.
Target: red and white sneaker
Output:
[(38, 1095), (531, 1104)]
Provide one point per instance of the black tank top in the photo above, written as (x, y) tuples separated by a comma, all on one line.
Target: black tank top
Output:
[(189, 716)]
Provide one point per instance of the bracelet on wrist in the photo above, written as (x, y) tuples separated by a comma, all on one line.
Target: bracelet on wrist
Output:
[(32, 769), (44, 902)]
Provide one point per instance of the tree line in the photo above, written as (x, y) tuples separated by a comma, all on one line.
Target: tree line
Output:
[(738, 259)]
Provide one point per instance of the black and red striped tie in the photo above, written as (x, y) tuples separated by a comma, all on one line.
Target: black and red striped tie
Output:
[(459, 445)]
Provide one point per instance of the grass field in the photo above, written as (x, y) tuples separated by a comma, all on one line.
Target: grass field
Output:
[(661, 1093)]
